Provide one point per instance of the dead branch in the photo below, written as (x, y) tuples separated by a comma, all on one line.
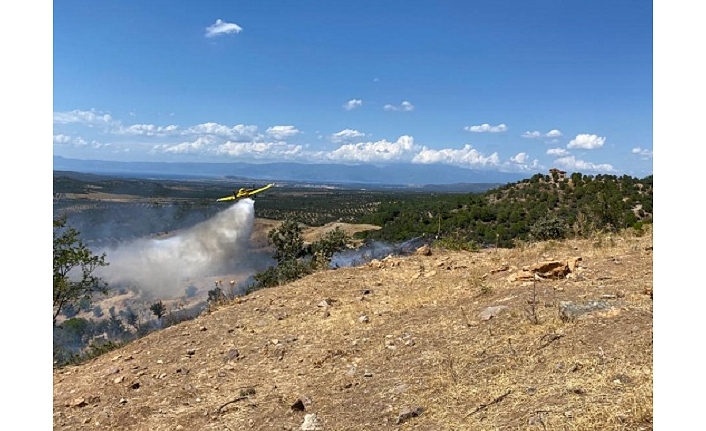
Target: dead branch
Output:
[(550, 339), (494, 401), (231, 402), (245, 392)]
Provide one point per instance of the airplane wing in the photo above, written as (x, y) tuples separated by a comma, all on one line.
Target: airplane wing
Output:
[(252, 192), (244, 193)]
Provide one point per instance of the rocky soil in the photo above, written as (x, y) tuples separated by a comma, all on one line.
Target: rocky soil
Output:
[(547, 336)]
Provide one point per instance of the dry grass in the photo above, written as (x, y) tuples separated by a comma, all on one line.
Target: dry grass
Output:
[(424, 345)]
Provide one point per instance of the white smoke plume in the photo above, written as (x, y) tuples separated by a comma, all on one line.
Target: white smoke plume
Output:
[(158, 267)]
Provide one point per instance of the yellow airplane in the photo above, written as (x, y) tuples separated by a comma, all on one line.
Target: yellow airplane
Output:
[(244, 193)]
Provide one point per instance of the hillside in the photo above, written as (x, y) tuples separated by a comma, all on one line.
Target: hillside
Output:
[(401, 343)]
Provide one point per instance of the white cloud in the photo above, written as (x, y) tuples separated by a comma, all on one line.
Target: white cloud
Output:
[(82, 117), (221, 27), (557, 152), (520, 158), (379, 151), (345, 135), (404, 106), (195, 147), (282, 132), (148, 130), (486, 128), (521, 162), (642, 151), (586, 142), (572, 163), (352, 104), (62, 139), (554, 133), (239, 132), (465, 156), (260, 150)]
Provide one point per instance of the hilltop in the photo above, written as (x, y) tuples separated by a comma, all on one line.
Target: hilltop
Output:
[(438, 340)]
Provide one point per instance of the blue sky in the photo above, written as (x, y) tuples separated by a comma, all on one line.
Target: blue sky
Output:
[(500, 85)]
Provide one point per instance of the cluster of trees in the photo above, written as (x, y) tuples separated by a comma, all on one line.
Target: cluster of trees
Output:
[(294, 258), (541, 207)]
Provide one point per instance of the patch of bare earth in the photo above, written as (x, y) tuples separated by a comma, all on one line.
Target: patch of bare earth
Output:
[(401, 343)]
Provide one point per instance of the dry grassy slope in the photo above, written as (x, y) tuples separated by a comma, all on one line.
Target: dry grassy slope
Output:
[(423, 346)]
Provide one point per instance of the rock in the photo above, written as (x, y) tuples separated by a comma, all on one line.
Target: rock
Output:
[(363, 319), (408, 413), (298, 405), (78, 402), (424, 250), (569, 311), (232, 354), (311, 423), (491, 312)]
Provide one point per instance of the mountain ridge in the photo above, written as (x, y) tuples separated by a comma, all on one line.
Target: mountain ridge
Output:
[(397, 174)]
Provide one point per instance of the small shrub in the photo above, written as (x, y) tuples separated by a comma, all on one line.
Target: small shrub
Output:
[(548, 227), (639, 228)]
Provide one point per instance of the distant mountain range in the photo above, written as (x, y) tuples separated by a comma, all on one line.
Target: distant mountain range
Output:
[(394, 174)]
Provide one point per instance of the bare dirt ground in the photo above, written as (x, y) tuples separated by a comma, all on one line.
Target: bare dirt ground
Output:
[(402, 343)]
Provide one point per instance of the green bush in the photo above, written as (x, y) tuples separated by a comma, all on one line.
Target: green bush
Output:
[(548, 227)]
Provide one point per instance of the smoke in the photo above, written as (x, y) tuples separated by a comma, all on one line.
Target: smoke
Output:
[(375, 250), (159, 267)]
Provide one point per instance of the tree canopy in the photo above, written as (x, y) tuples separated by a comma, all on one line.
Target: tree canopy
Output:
[(74, 265)]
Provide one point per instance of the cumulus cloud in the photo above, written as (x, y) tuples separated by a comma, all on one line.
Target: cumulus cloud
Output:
[(239, 132), (82, 117), (260, 150), (557, 152), (148, 130), (282, 132), (346, 135), (642, 151), (194, 147), (486, 128), (62, 139), (520, 158), (383, 150), (554, 133), (352, 104), (521, 161), (585, 141), (572, 163), (221, 27), (465, 156), (404, 106)]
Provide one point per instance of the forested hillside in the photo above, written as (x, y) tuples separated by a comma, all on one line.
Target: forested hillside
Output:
[(541, 207)]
